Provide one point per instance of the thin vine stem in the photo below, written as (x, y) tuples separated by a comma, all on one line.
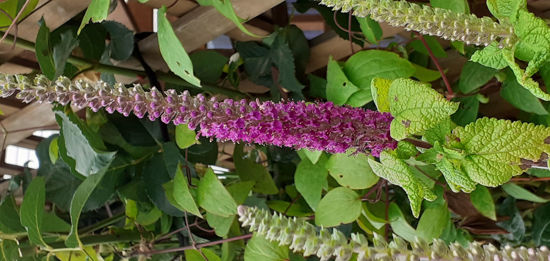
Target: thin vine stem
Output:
[(198, 246), (450, 93)]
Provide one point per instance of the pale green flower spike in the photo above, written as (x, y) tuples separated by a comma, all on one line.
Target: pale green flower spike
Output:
[(303, 237), (430, 21)]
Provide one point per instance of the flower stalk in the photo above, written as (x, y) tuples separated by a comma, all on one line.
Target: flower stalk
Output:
[(309, 240), (320, 126), (428, 20)]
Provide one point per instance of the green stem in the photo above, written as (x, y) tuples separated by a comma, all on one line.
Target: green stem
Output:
[(107, 68)]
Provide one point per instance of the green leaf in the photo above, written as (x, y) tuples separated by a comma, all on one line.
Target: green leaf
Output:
[(259, 248), (226, 9), (473, 76), (424, 74), (364, 66), (493, 161), (397, 172), (380, 89), (97, 11), (62, 48), (9, 250), (10, 222), (514, 224), (32, 210), (339, 88), (81, 195), (413, 115), (172, 51), (83, 147), (54, 224), (195, 255), (520, 97), (121, 45), (295, 210), (53, 150), (208, 65), (92, 41), (521, 193), (11, 8), (213, 197), (249, 170), (221, 225), (467, 112), (432, 222), (482, 200), (458, 6), (541, 225), (44, 53), (352, 171), (185, 137), (312, 155), (503, 9), (240, 190), (182, 195), (490, 56), (370, 28), (310, 180), (399, 224), (434, 45), (339, 206)]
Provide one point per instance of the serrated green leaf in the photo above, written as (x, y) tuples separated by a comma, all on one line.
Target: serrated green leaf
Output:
[(490, 56), (483, 201), (364, 66), (310, 180), (493, 149), (213, 197), (380, 89), (32, 210), (84, 149), (413, 115), (97, 11), (503, 9), (397, 172), (259, 248), (339, 206), (525, 81), (339, 88), (521, 193), (81, 195), (352, 171), (173, 52), (439, 132), (405, 150)]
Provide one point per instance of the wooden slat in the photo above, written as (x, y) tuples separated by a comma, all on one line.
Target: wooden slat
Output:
[(201, 25), (174, 7), (29, 119), (330, 44), (238, 35)]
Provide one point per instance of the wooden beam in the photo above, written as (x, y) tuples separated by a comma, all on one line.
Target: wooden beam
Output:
[(202, 24), (238, 35), (22, 124), (173, 7), (330, 44)]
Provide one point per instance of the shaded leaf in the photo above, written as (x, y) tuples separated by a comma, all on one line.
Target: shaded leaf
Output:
[(339, 206)]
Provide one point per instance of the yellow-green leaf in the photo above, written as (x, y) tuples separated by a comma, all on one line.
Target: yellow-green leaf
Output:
[(380, 89)]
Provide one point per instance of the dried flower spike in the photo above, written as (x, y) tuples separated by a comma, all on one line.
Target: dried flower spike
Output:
[(429, 20), (307, 239), (315, 126)]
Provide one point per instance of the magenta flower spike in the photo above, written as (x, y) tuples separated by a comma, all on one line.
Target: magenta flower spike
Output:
[(315, 126)]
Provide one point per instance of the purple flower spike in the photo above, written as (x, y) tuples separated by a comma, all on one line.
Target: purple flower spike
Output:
[(317, 126)]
